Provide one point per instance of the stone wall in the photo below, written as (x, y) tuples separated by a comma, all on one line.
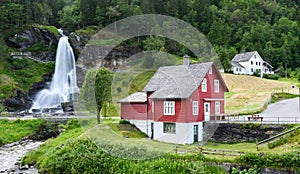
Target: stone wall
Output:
[(248, 132)]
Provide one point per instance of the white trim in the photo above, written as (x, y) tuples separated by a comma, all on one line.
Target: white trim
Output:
[(169, 107), (204, 85), (216, 86), (213, 99), (195, 107), (217, 107)]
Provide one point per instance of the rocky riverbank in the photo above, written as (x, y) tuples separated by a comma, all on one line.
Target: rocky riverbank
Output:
[(11, 154)]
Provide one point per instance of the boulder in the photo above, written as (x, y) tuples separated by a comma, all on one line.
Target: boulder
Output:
[(19, 102)]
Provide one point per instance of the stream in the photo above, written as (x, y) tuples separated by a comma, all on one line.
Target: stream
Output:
[(11, 154)]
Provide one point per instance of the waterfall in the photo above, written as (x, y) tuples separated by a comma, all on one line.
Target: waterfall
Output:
[(64, 83)]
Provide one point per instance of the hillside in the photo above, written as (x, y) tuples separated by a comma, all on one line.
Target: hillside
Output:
[(250, 94)]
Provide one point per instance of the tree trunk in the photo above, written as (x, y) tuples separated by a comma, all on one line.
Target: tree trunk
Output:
[(104, 110), (98, 116)]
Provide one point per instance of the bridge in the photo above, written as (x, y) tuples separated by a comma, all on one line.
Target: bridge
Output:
[(19, 55)]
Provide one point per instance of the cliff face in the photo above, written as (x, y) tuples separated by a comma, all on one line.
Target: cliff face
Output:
[(102, 56)]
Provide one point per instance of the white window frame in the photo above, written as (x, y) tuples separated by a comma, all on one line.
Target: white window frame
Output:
[(169, 107), (169, 128), (216, 86), (195, 107), (204, 85), (217, 107), (210, 70)]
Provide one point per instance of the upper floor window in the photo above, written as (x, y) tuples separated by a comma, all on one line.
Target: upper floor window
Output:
[(256, 63), (169, 107), (259, 63), (216, 85), (255, 56), (195, 107), (251, 62), (210, 70), (204, 85)]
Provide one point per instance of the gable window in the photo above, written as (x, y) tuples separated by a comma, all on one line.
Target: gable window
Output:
[(169, 107), (204, 85), (195, 107), (170, 128), (216, 85), (217, 108), (255, 56), (210, 70)]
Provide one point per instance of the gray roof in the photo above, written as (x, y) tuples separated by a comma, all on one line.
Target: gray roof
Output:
[(242, 57), (180, 81), (236, 64), (138, 97)]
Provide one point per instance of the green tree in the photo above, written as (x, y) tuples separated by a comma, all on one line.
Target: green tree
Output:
[(103, 82)]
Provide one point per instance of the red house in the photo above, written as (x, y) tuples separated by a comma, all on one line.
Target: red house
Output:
[(176, 102)]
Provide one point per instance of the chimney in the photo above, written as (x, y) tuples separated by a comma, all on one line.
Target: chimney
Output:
[(186, 60)]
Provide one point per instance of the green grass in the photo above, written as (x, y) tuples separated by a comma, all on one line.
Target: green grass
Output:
[(281, 96), (73, 131), (12, 131), (51, 29)]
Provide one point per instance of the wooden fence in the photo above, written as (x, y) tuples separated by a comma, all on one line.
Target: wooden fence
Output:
[(204, 151)]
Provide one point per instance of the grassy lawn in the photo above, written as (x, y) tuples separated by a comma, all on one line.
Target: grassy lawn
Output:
[(12, 131), (250, 94)]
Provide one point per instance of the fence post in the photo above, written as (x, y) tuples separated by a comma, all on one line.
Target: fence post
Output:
[(256, 144)]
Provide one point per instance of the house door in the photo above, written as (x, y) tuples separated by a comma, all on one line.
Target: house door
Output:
[(195, 133), (152, 130), (206, 111)]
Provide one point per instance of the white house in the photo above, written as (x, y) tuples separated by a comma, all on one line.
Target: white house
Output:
[(250, 62)]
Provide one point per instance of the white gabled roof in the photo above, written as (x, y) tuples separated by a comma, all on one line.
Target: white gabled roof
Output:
[(138, 97)]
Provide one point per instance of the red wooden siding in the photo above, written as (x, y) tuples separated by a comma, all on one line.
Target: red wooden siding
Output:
[(133, 111)]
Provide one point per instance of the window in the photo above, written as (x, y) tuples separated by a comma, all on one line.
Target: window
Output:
[(237, 69), (217, 108), (259, 63), (251, 62), (210, 70), (240, 69), (256, 63), (216, 85), (255, 56), (251, 69), (204, 85), (169, 108), (170, 128), (195, 107)]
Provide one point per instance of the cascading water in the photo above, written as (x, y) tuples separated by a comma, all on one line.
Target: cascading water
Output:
[(64, 83)]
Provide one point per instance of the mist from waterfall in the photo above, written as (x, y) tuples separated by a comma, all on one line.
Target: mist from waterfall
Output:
[(64, 83)]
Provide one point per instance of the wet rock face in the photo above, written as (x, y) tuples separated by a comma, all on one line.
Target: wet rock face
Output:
[(18, 102), (45, 131)]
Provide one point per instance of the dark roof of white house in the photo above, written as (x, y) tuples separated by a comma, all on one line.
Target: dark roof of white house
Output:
[(138, 97), (236, 64), (242, 57), (171, 82)]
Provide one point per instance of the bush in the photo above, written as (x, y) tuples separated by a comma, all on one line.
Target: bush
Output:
[(124, 122), (271, 76)]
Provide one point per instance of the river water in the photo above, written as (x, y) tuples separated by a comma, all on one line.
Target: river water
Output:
[(11, 154)]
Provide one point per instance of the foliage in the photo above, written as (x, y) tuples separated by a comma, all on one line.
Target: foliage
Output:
[(254, 170), (140, 81), (285, 160), (271, 76), (281, 96), (284, 140), (96, 89), (51, 29), (83, 156), (17, 129)]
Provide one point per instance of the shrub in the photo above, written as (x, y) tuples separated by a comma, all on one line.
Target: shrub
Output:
[(271, 76), (124, 122)]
